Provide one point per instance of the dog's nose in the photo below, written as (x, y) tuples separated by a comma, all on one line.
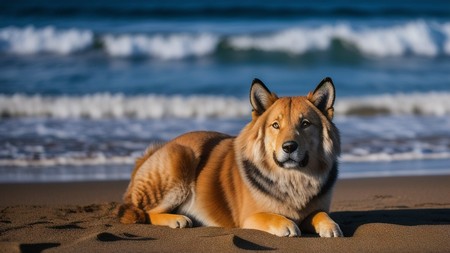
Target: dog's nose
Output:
[(289, 146)]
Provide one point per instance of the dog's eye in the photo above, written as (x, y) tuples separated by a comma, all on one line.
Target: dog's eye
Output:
[(275, 125), (305, 123)]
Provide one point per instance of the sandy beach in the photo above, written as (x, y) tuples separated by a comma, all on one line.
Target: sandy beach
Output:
[(396, 214)]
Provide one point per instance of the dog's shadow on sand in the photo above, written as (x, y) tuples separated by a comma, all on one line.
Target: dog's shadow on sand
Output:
[(349, 221)]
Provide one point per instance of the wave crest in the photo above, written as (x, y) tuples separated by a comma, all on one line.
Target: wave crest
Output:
[(432, 103), (414, 37), (175, 46), (430, 39), (32, 40), (98, 106)]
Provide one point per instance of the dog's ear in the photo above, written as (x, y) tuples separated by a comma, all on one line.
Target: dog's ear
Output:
[(323, 97), (260, 97)]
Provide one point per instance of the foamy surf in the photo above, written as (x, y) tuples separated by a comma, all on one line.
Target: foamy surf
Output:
[(418, 37), (130, 160), (175, 46), (68, 161), (31, 40), (431, 103), (98, 106), (105, 106), (411, 38)]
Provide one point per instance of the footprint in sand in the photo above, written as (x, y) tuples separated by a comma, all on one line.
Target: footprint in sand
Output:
[(239, 242), (108, 237), (72, 225), (37, 247)]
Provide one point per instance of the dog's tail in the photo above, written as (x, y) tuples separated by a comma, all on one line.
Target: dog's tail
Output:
[(129, 214)]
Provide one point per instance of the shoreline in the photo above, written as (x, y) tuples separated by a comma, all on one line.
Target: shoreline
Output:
[(393, 214), (69, 174)]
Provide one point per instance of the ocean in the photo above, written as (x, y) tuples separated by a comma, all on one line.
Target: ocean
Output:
[(86, 86)]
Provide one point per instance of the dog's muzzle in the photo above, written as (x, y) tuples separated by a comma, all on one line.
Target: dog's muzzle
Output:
[(290, 163)]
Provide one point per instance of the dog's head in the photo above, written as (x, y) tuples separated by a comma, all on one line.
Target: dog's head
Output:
[(293, 132)]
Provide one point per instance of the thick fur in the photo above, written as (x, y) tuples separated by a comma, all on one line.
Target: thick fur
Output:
[(277, 175)]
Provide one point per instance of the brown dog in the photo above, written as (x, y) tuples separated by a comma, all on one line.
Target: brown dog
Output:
[(275, 176)]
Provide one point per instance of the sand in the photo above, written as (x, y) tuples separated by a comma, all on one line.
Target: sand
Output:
[(398, 214)]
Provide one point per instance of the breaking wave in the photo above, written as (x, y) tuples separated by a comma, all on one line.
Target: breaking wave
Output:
[(69, 161), (176, 46), (430, 39), (130, 160), (31, 40), (411, 38), (98, 106), (432, 103)]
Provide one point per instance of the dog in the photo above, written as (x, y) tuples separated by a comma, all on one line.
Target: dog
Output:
[(277, 175)]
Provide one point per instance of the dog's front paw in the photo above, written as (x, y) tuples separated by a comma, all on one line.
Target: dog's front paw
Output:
[(329, 229), (170, 220), (272, 223), (287, 229), (181, 222)]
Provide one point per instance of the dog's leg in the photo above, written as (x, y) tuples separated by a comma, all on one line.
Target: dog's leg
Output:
[(320, 223), (272, 223), (161, 216), (162, 183)]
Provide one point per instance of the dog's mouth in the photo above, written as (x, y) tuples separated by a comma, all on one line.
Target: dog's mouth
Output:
[(292, 163)]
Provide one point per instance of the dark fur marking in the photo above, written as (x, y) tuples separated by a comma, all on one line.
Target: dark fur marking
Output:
[(267, 185), (207, 149), (122, 209), (261, 182), (129, 207), (328, 185)]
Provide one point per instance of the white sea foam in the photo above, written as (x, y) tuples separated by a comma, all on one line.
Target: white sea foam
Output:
[(119, 106), (101, 167), (417, 37), (101, 159), (432, 103), (99, 106), (413, 37), (296, 40), (31, 40), (175, 46), (68, 161), (394, 168), (386, 157)]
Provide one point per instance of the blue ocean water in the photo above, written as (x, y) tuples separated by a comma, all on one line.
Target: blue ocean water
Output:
[(85, 86)]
